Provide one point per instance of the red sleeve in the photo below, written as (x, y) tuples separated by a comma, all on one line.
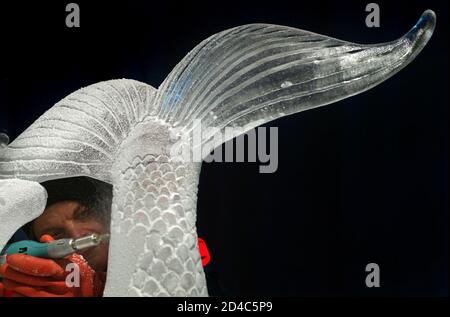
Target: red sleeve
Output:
[(204, 253)]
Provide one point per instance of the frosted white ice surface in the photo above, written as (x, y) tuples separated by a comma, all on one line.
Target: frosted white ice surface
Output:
[(20, 202)]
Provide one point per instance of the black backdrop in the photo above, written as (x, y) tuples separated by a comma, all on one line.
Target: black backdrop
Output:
[(364, 180)]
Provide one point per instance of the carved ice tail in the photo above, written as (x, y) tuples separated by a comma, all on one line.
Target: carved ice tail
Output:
[(154, 216)]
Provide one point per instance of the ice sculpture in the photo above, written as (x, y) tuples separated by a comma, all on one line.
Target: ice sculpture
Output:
[(119, 131)]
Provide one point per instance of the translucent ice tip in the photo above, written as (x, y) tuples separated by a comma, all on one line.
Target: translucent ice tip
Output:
[(419, 35)]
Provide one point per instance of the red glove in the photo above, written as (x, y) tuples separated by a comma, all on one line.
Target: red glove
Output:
[(30, 276)]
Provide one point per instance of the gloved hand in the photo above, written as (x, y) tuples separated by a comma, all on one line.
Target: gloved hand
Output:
[(35, 277)]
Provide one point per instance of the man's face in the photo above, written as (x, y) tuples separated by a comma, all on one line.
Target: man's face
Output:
[(69, 219)]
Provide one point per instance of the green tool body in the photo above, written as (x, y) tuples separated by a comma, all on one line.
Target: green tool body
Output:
[(56, 249)]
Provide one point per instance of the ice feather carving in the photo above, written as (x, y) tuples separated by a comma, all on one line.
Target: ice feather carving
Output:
[(120, 131), (80, 134), (251, 74)]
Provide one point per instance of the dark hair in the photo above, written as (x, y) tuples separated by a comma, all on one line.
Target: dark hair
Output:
[(94, 195)]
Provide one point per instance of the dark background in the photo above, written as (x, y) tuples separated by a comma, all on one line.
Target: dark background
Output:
[(363, 180)]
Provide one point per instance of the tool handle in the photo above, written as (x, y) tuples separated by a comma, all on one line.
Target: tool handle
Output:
[(28, 247)]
